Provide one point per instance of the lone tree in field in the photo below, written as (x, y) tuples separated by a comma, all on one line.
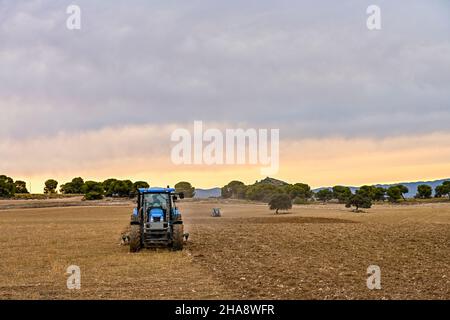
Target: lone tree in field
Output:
[(280, 202), (50, 186), (359, 200), (424, 191), (324, 195), (186, 188)]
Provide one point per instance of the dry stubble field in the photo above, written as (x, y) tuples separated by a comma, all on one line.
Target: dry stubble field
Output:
[(315, 252)]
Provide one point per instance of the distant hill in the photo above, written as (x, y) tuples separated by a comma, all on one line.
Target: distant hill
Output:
[(412, 186), (272, 181), (208, 193)]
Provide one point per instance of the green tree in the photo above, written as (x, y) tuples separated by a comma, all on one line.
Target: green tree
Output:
[(93, 190), (403, 189), (324, 195), (50, 186), (446, 185), (299, 190), (366, 190), (139, 184), (186, 188), (77, 185), (379, 194), (424, 191), (122, 188), (341, 193), (262, 192), (280, 201), (66, 188), (443, 189), (73, 187), (7, 187), (359, 200), (108, 186), (439, 191), (394, 193), (234, 189), (20, 186), (373, 192), (93, 186)]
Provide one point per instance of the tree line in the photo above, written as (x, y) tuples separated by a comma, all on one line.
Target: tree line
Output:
[(9, 187), (282, 196), (92, 190), (275, 192)]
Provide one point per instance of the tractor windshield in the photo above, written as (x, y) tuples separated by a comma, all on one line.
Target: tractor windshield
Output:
[(156, 200)]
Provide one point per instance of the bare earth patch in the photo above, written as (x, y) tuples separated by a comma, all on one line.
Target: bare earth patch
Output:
[(316, 252)]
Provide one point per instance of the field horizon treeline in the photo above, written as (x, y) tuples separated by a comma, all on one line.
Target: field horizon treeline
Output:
[(267, 190), (91, 190), (281, 195)]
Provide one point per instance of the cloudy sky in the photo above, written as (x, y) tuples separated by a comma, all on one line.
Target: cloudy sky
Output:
[(353, 106)]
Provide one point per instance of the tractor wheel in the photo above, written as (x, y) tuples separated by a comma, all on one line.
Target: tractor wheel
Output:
[(135, 238), (177, 241)]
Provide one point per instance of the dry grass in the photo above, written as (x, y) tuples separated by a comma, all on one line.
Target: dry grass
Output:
[(319, 252)]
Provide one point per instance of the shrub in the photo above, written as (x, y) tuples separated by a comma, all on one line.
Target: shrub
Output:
[(93, 195)]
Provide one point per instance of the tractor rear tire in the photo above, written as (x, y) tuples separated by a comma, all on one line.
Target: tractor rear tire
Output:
[(177, 241), (135, 238)]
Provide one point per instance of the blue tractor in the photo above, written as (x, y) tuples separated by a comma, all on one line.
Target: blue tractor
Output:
[(156, 221)]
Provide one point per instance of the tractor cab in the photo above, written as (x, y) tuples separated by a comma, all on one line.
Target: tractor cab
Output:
[(156, 221)]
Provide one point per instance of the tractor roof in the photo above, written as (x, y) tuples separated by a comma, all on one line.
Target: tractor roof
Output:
[(156, 190)]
